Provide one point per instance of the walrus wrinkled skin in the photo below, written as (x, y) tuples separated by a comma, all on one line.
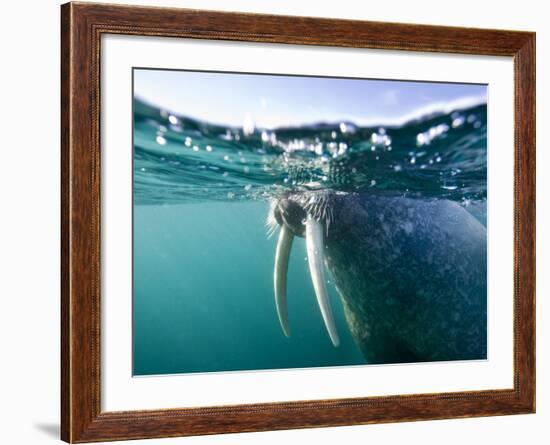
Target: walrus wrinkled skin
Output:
[(411, 273)]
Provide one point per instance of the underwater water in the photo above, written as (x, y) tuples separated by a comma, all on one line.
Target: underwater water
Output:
[(203, 260)]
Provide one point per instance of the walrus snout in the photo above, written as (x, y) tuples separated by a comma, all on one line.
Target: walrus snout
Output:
[(289, 213)]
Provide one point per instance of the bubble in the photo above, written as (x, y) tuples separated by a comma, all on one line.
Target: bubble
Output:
[(227, 136), (421, 139), (208, 148), (397, 168), (195, 148), (173, 119), (248, 125), (346, 127), (457, 121), (247, 187), (161, 140), (188, 141), (432, 133), (269, 137)]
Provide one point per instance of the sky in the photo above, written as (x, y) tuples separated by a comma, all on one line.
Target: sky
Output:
[(272, 101)]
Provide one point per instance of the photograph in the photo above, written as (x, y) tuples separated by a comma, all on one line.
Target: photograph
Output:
[(288, 221)]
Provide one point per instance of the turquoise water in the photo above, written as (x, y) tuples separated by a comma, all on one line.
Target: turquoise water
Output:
[(204, 299), (203, 263)]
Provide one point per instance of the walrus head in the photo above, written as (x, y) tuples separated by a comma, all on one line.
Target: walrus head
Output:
[(307, 215)]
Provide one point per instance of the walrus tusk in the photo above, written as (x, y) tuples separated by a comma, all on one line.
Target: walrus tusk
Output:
[(282, 255), (315, 255)]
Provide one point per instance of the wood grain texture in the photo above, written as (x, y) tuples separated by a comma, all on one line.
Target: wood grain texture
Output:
[(81, 28)]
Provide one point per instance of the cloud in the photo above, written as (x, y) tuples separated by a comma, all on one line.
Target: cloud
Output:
[(425, 110), (272, 121)]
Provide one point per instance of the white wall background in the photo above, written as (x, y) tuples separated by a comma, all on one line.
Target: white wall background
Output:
[(29, 227)]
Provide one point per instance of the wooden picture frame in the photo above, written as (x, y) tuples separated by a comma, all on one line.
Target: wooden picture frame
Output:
[(82, 25)]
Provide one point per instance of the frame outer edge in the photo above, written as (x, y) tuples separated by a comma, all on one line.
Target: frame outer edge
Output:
[(66, 90), (80, 231), (525, 84), (81, 416)]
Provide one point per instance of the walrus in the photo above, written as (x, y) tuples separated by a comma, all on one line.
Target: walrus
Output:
[(411, 272)]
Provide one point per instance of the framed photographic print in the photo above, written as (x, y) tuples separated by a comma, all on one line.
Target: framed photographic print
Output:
[(275, 222)]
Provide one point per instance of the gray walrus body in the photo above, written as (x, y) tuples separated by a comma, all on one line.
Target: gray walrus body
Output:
[(411, 273)]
